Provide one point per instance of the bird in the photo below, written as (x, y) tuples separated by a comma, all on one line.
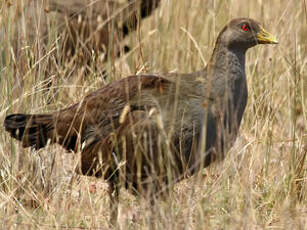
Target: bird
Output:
[(100, 25), (146, 132), (82, 26)]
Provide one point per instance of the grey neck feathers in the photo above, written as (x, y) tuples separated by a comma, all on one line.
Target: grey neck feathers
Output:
[(226, 69), (228, 62), (227, 73)]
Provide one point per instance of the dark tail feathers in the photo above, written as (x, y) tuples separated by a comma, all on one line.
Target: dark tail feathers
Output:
[(31, 130)]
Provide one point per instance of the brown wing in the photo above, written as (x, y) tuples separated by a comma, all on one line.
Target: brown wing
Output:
[(98, 114), (137, 151)]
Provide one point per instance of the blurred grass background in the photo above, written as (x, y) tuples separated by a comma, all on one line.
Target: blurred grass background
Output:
[(260, 185)]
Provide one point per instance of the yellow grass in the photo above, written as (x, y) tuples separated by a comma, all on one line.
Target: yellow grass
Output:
[(260, 185)]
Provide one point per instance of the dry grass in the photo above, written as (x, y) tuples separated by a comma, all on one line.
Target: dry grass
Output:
[(260, 185)]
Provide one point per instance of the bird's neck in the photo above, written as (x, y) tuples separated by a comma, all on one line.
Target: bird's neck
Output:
[(227, 73), (228, 63)]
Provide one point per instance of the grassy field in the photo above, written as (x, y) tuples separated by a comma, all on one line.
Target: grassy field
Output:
[(262, 183)]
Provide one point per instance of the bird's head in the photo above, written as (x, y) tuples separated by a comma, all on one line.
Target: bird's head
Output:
[(244, 33)]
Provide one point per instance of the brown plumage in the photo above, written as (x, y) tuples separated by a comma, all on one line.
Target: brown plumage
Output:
[(83, 25), (147, 131)]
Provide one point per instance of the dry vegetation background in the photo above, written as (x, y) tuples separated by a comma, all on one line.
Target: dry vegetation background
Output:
[(260, 185)]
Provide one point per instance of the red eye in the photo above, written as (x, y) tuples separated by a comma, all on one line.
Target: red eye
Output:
[(245, 27)]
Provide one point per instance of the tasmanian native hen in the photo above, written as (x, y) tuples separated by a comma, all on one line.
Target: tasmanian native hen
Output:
[(147, 131), (80, 26)]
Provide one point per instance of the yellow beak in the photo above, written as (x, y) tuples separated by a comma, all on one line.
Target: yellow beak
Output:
[(265, 37)]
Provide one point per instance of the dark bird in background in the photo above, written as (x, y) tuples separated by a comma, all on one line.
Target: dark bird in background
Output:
[(83, 25), (100, 24), (148, 131)]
